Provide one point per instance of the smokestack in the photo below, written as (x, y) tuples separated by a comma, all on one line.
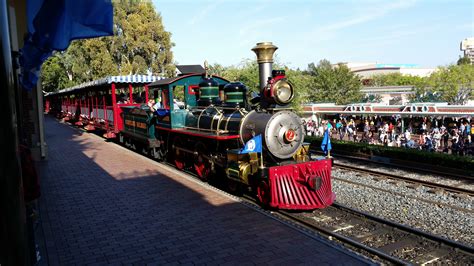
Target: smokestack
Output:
[(264, 51)]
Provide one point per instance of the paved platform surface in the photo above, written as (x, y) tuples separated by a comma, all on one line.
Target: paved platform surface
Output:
[(102, 204)]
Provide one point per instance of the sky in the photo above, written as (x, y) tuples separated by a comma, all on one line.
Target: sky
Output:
[(422, 32)]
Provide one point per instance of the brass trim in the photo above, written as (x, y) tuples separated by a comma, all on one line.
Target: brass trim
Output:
[(199, 118), (205, 129), (264, 51)]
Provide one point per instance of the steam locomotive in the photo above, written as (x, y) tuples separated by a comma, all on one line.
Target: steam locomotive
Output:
[(208, 136), (213, 133)]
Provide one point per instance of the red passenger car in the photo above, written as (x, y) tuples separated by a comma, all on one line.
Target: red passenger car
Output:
[(97, 104)]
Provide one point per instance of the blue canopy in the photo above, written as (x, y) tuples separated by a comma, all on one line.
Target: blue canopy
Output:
[(53, 24)]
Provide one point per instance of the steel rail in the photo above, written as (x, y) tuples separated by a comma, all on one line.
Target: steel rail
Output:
[(385, 223), (408, 229), (405, 167), (342, 238), (408, 179)]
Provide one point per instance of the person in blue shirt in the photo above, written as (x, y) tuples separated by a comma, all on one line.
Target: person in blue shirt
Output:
[(339, 130), (329, 127)]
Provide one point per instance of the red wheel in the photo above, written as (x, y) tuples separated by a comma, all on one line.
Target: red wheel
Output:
[(263, 193), (178, 155), (202, 165)]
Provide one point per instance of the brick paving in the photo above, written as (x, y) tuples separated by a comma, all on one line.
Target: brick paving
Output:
[(102, 204)]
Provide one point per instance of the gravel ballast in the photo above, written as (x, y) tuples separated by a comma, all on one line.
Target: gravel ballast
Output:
[(408, 205)]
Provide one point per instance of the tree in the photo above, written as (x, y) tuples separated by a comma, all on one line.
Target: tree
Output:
[(333, 84), (140, 45), (301, 83), (395, 79), (217, 70), (246, 72), (464, 60), (372, 98), (53, 76), (453, 84), (141, 42)]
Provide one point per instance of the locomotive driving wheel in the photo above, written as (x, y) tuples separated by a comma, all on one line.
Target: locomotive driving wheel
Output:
[(235, 187), (163, 150), (263, 193), (179, 157), (159, 153), (202, 164)]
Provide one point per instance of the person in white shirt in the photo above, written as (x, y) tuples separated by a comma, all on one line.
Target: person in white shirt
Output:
[(175, 104), (154, 105), (443, 128), (437, 139), (407, 135), (423, 127)]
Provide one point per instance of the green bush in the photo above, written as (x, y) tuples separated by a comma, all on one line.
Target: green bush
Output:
[(434, 158)]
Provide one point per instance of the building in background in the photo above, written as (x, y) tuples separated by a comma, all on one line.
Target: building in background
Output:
[(369, 69), (386, 95), (467, 46)]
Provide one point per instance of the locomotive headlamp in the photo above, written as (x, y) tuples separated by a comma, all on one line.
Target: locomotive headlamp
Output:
[(282, 92)]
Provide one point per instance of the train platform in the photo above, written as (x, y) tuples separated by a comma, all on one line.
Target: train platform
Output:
[(103, 204)]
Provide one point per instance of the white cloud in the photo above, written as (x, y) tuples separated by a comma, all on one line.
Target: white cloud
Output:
[(373, 12), (204, 12), (256, 30)]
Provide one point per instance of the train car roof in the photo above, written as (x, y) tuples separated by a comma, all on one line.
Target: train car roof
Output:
[(190, 69), (169, 81), (129, 79)]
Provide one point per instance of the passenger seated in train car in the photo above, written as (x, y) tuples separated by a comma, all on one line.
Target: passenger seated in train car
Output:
[(178, 105), (121, 98), (137, 98), (154, 105)]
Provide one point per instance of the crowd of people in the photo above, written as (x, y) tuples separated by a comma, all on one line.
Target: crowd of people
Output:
[(455, 137)]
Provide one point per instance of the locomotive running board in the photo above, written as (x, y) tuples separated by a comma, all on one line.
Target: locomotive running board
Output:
[(301, 186)]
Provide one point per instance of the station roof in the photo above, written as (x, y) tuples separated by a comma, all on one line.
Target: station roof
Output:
[(413, 109), (388, 89), (129, 79)]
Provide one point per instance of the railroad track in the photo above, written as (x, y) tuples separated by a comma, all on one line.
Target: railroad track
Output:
[(384, 175), (389, 241), (424, 170)]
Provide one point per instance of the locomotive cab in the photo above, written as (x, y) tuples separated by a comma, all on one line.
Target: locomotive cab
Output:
[(184, 88)]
